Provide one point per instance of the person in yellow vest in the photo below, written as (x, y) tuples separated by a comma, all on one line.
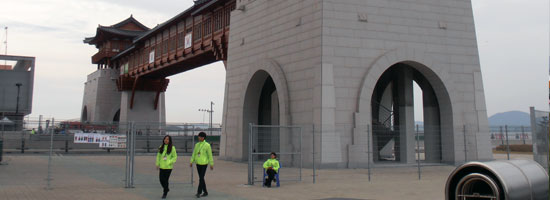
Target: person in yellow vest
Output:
[(166, 157), (33, 132), (271, 167), (202, 157)]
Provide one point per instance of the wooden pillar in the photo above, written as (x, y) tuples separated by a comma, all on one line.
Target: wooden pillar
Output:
[(202, 30)]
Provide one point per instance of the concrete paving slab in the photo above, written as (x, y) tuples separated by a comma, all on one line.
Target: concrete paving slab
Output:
[(102, 177)]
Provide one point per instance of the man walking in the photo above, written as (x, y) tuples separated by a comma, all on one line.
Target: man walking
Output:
[(202, 157)]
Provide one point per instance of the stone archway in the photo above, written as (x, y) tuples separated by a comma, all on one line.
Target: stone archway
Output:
[(265, 102), (431, 72), (394, 135), (261, 107), (84, 116), (116, 117)]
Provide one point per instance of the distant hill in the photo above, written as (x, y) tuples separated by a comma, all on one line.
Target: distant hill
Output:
[(511, 118)]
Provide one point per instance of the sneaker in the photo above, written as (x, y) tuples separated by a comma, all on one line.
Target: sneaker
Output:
[(198, 195), (163, 196), (204, 194)]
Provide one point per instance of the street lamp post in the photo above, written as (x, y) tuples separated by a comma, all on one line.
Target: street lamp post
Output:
[(203, 111), (210, 113), (17, 105)]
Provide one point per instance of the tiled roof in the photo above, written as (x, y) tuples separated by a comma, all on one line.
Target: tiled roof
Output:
[(204, 6), (200, 1), (115, 29), (121, 31), (130, 19), (88, 39)]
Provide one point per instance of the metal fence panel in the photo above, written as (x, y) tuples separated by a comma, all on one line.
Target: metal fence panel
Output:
[(408, 144), (128, 161), (539, 120), (148, 138), (297, 147), (285, 141)]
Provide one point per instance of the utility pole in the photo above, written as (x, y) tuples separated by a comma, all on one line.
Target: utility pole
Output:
[(6, 45)]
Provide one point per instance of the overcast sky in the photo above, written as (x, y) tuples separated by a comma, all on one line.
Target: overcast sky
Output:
[(513, 41)]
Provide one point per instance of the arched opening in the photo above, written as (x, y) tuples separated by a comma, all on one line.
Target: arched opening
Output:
[(116, 118), (84, 116), (261, 107), (397, 135)]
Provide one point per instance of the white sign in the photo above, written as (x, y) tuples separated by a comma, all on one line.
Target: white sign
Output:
[(84, 137), (151, 56), (121, 141), (188, 40), (104, 140)]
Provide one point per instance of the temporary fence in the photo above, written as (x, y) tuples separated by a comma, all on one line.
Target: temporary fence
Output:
[(97, 137), (124, 152), (301, 147), (285, 141), (409, 146), (539, 122), (148, 137), (416, 146)]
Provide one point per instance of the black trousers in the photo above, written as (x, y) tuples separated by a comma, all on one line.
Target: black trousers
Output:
[(270, 176), (202, 184), (164, 175)]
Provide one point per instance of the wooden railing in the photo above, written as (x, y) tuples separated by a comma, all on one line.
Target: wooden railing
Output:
[(210, 33), (104, 53)]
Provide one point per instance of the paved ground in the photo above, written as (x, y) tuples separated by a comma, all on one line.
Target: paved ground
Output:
[(102, 177)]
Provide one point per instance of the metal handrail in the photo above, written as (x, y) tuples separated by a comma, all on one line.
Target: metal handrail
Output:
[(391, 114)]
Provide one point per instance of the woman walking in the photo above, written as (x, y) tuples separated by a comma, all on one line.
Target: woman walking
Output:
[(202, 157), (166, 157)]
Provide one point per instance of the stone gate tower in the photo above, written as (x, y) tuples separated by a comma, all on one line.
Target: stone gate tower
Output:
[(347, 68), (106, 99)]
